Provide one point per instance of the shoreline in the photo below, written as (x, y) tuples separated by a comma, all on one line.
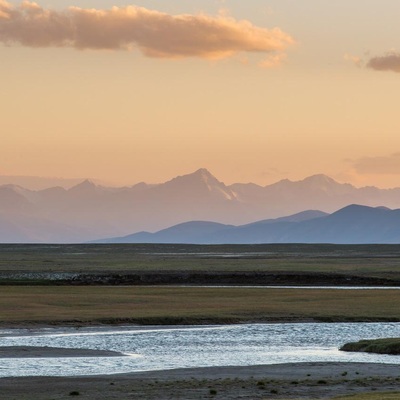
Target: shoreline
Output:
[(279, 381), (184, 321), (50, 352)]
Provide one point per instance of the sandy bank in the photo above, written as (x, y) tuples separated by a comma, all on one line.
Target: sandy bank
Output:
[(41, 352), (306, 380)]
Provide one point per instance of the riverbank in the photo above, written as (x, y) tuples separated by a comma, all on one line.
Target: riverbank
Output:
[(378, 346), (167, 322), (282, 381), (44, 352)]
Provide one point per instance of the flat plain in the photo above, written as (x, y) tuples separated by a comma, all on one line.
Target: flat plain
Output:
[(43, 285), (363, 260), (284, 381), (31, 276), (191, 305)]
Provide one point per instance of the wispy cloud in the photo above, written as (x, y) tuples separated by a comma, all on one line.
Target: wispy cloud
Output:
[(357, 61), (154, 33), (378, 165), (273, 61), (388, 62)]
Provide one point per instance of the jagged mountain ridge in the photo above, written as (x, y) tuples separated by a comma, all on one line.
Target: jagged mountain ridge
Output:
[(88, 211), (39, 182)]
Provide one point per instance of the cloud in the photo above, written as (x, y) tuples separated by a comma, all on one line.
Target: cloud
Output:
[(154, 33), (378, 165), (388, 62), (273, 61), (357, 61)]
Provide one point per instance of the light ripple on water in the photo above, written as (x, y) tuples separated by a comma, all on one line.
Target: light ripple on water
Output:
[(158, 348)]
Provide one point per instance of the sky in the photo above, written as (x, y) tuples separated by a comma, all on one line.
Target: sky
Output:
[(254, 91)]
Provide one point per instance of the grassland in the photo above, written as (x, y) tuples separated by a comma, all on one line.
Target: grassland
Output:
[(164, 305), (376, 265), (364, 260), (159, 304)]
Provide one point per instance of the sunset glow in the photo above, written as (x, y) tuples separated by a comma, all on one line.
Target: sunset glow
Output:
[(253, 91)]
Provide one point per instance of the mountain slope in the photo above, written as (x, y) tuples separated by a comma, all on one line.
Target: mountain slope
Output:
[(350, 225), (354, 224), (94, 211), (197, 231)]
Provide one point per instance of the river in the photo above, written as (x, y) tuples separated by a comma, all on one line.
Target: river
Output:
[(159, 348)]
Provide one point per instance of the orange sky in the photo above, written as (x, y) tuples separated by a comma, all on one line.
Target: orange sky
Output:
[(253, 92)]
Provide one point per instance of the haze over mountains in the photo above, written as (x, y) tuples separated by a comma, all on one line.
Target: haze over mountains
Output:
[(40, 183), (88, 211), (353, 224)]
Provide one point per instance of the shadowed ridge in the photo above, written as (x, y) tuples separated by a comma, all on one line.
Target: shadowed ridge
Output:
[(192, 230), (199, 183), (318, 182), (86, 185), (349, 225), (358, 210), (320, 179), (298, 217), (14, 198)]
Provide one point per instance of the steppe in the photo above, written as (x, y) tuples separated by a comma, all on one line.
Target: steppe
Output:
[(80, 285)]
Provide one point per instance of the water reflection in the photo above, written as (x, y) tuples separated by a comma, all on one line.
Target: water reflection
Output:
[(158, 348)]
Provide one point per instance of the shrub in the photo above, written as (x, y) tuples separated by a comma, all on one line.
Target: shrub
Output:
[(380, 346)]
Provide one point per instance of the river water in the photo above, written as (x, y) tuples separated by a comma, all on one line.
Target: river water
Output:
[(159, 348)]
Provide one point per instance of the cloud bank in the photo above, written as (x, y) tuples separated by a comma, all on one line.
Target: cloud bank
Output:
[(154, 33), (378, 165), (388, 62)]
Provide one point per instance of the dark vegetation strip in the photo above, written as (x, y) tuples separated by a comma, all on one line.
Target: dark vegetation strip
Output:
[(205, 278), (168, 264), (234, 278), (379, 346)]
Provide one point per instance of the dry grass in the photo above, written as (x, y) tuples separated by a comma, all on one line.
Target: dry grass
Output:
[(169, 304)]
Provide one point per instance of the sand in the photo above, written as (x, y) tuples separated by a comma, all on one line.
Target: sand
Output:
[(283, 381), (43, 352)]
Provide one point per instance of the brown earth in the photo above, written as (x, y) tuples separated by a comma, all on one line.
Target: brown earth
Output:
[(286, 381)]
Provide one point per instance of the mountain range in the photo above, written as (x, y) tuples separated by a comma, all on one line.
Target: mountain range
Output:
[(353, 224), (40, 183), (88, 211)]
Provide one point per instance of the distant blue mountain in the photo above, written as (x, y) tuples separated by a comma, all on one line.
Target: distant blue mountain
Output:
[(195, 231), (353, 224), (88, 211)]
